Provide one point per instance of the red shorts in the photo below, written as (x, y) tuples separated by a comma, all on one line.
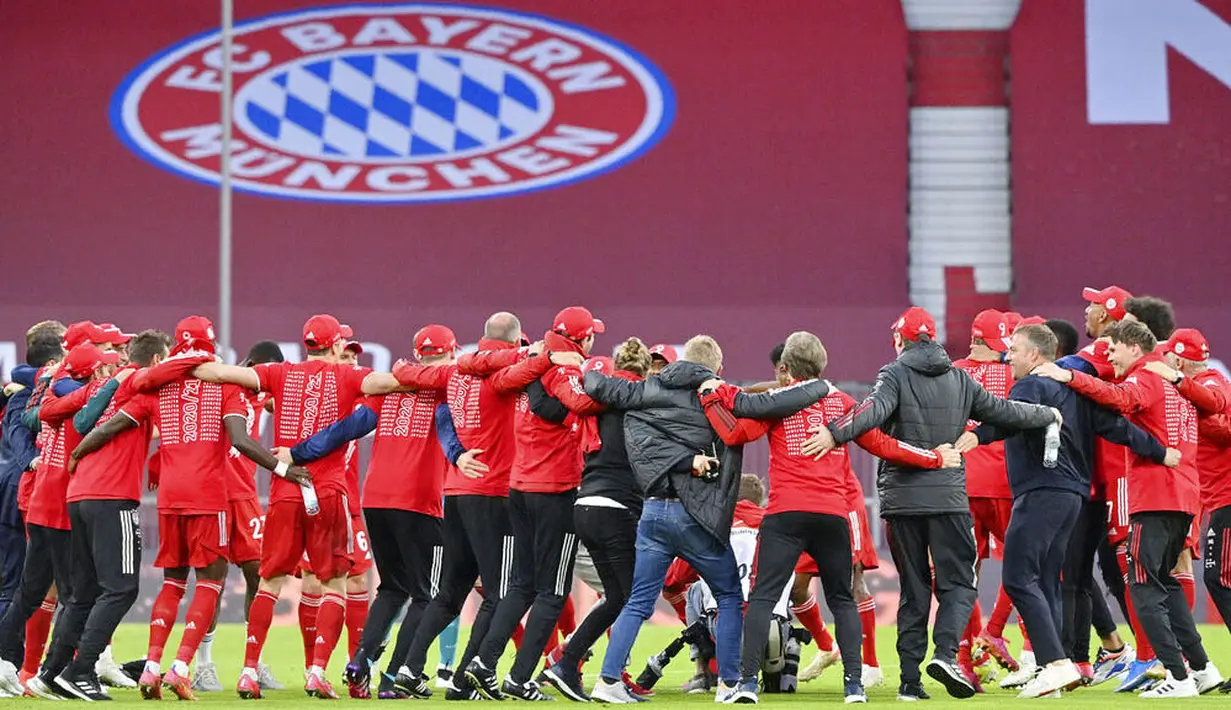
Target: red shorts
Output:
[(290, 533), (361, 555), (1193, 541), (191, 540), (247, 529), (991, 517), (1117, 511)]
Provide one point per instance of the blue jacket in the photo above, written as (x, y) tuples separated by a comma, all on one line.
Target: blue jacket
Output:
[(1083, 420), (17, 447)]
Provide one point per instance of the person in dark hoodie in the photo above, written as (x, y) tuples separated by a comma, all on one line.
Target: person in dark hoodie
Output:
[(1047, 500), (921, 399), (691, 482), (17, 452)]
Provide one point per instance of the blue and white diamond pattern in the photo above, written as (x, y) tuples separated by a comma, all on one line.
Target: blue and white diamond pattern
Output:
[(379, 106)]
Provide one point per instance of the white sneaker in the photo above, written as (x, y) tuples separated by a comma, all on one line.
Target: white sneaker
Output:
[(205, 679), (265, 678), (725, 693), (819, 663), (1207, 679), (1024, 674), (872, 677), (1051, 679), (9, 681), (110, 673), (1172, 688), (611, 693)]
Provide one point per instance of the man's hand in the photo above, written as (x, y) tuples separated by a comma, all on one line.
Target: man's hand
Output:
[(950, 457), (283, 454), (1056, 412), (966, 442), (13, 388), (1172, 459), (820, 443), (702, 464), (470, 465), (710, 384), (35, 462), (537, 347), (298, 475), (1163, 370), (574, 359), (1052, 371), (72, 464)]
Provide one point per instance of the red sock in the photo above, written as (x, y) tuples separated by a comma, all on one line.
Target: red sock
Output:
[(260, 616), (1189, 586), (568, 618), (37, 630), (309, 607), (200, 616), (517, 634), (867, 615), (678, 602), (162, 616), (809, 615), (553, 642), (1021, 626), (1000, 614), (974, 625), (328, 628), (356, 617), (1145, 650)]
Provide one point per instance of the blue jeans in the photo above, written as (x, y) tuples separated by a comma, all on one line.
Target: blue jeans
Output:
[(667, 531)]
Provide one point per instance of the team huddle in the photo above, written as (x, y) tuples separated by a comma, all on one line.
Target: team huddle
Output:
[(509, 470)]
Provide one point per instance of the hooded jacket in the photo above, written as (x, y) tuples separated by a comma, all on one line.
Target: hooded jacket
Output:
[(921, 399), (665, 426), (17, 448)]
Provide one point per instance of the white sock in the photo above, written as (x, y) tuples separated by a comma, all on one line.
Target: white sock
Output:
[(105, 656), (180, 668), (205, 650), (152, 667), (250, 672), (317, 671)]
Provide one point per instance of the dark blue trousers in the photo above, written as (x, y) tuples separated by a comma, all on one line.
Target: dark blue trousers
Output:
[(1034, 549), (12, 559)]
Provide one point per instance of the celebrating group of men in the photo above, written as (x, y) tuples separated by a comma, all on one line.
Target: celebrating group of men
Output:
[(506, 469)]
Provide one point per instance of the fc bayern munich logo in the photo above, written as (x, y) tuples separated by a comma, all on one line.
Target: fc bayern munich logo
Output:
[(397, 103)]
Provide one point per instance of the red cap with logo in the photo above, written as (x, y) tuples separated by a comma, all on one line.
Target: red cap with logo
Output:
[(85, 359), (434, 340), (1187, 343), (84, 331), (194, 333), (990, 327), (112, 334), (915, 322), (321, 331), (1031, 320), (664, 352), (577, 323), (599, 363), (1111, 298)]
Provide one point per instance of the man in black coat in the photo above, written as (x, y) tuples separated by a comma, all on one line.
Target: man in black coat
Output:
[(691, 482), (923, 400)]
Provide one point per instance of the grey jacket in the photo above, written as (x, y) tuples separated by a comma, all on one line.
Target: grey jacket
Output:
[(666, 425), (923, 400)]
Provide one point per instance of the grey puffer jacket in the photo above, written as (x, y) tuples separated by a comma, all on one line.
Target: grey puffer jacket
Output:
[(923, 400), (665, 424)]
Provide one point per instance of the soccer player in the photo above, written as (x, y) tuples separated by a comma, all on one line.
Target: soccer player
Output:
[(482, 390), (308, 397), (402, 504), (1161, 505), (247, 522), (661, 355)]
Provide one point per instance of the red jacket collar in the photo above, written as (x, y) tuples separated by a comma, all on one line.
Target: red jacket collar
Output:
[(557, 343), (489, 344)]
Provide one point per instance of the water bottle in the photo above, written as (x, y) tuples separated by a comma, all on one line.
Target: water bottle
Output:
[(1051, 445), (310, 502)]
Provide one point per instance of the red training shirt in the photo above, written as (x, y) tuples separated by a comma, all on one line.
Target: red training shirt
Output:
[(1214, 446), (986, 474), (407, 469), (114, 471)]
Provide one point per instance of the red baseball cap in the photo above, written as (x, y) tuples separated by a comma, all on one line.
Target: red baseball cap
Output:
[(990, 327), (915, 322), (599, 363), (194, 333), (354, 346), (434, 340), (321, 331), (1187, 343), (112, 334), (577, 323), (1031, 320), (85, 359), (85, 331), (1111, 298), (664, 352)]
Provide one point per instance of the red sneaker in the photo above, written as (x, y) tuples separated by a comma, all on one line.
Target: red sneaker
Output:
[(181, 685), (636, 689), (998, 648), (318, 687), (150, 686), (968, 672), (249, 687), (1087, 677)]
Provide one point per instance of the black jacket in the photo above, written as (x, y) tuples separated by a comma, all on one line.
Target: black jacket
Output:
[(666, 426), (1083, 419), (923, 400)]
